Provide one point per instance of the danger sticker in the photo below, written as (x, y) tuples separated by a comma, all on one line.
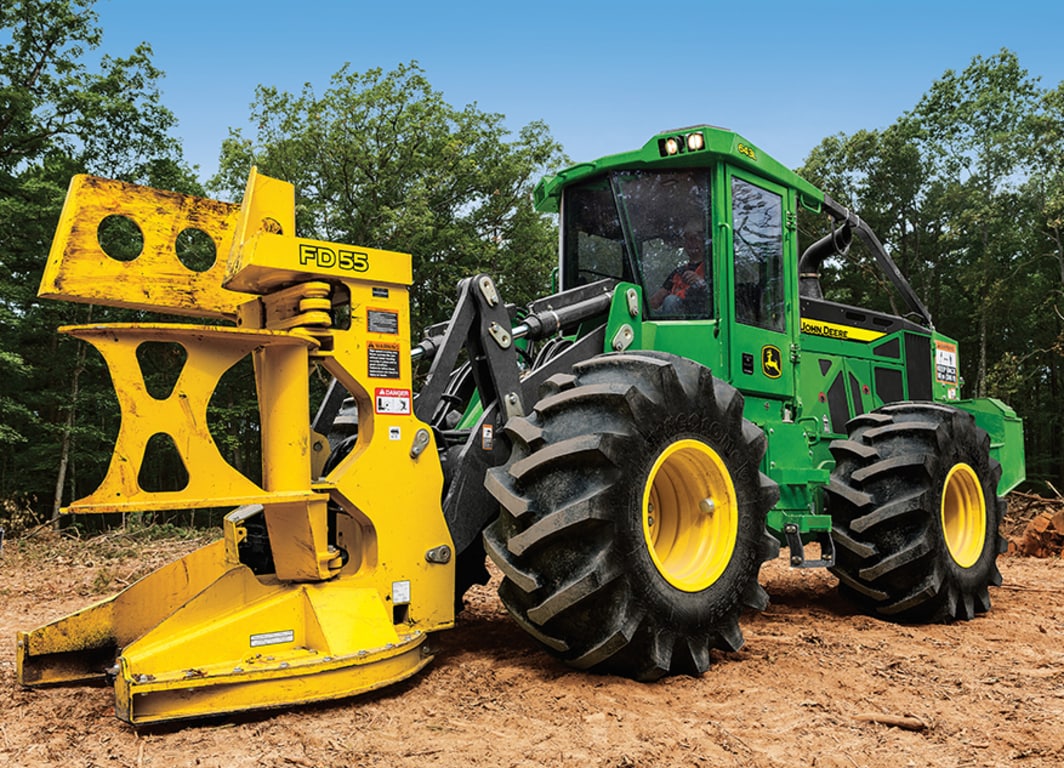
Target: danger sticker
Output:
[(945, 362), (392, 402)]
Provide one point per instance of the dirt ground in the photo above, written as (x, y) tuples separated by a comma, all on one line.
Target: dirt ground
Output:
[(816, 685)]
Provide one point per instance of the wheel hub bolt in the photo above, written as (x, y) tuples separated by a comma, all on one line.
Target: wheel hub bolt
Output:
[(707, 507)]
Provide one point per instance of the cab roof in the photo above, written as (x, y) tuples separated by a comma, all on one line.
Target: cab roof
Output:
[(699, 145)]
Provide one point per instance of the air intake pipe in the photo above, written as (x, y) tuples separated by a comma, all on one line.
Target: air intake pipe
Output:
[(835, 242)]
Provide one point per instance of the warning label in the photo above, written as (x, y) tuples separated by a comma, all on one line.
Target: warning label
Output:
[(945, 362), (393, 402), (383, 360)]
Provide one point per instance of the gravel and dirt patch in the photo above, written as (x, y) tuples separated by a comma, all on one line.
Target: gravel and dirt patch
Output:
[(817, 684)]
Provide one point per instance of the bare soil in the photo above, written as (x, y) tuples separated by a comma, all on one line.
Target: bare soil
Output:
[(817, 684)]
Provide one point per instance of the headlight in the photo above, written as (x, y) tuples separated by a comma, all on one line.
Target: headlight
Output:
[(679, 143)]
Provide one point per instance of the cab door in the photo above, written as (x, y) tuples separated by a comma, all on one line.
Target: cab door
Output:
[(761, 306)]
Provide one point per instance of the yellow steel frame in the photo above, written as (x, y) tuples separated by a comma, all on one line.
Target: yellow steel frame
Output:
[(204, 635)]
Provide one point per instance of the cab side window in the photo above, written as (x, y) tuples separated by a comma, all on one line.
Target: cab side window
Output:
[(757, 216)]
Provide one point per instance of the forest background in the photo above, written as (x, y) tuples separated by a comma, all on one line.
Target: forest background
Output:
[(966, 189)]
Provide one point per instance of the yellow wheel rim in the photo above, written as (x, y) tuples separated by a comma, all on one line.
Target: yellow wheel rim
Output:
[(690, 515), (963, 515)]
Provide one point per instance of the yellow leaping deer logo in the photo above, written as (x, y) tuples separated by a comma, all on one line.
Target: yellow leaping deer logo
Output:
[(771, 362)]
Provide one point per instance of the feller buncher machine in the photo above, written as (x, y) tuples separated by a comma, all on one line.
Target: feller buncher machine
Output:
[(628, 450)]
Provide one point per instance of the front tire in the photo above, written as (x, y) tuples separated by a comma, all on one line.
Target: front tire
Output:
[(915, 512), (632, 523)]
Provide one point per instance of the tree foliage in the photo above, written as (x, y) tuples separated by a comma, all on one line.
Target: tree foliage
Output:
[(381, 159), (62, 112)]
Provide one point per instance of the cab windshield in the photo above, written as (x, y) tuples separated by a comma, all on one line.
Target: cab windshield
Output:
[(647, 227)]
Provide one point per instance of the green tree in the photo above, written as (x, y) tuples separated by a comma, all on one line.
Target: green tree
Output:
[(975, 125), (381, 159), (1047, 127), (1037, 370), (62, 111)]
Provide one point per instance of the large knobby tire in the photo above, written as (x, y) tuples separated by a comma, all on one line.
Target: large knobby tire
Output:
[(632, 521), (915, 513)]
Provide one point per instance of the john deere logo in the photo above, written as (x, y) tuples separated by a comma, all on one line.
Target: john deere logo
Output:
[(771, 362)]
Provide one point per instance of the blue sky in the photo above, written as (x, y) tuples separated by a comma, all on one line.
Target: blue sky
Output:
[(604, 76)]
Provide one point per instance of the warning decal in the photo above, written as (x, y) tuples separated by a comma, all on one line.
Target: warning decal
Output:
[(945, 362), (395, 402), (383, 360)]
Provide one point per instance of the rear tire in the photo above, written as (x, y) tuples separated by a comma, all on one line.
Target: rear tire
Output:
[(633, 514), (915, 512)]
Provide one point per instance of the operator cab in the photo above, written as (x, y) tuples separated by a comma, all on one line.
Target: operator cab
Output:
[(656, 228), (703, 223)]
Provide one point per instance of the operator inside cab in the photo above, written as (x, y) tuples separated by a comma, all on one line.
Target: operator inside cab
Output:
[(685, 290)]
